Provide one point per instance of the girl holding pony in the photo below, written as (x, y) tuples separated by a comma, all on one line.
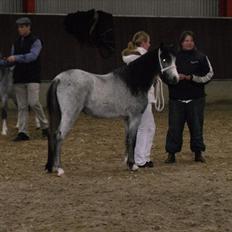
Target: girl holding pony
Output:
[(137, 47)]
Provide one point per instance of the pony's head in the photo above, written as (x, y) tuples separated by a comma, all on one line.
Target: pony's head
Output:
[(167, 59)]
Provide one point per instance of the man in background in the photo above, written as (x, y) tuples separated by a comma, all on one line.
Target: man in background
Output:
[(26, 58)]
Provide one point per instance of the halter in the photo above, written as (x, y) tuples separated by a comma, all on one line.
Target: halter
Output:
[(159, 96), (162, 69)]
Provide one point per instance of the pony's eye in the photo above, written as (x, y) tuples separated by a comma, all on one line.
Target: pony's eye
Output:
[(164, 60)]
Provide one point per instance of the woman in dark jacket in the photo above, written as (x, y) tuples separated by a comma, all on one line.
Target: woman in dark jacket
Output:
[(187, 99)]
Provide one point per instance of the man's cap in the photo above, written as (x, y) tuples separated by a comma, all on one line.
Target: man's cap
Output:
[(23, 21)]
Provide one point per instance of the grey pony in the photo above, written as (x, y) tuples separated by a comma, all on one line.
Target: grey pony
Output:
[(6, 92), (120, 93)]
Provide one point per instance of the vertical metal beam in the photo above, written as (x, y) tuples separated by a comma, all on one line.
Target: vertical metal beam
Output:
[(225, 8), (222, 7), (229, 8), (29, 6)]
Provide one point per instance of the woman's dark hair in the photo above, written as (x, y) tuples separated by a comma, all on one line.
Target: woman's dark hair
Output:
[(184, 34)]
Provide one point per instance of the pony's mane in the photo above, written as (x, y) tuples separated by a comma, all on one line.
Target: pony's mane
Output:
[(139, 74)]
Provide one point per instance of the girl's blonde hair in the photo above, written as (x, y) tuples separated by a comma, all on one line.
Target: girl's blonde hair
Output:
[(137, 40)]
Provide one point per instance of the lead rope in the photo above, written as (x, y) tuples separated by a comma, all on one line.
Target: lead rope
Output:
[(158, 92), (159, 95)]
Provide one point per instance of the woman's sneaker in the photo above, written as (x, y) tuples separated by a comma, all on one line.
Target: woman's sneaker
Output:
[(45, 133), (148, 164)]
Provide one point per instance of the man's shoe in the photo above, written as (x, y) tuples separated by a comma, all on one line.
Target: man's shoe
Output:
[(171, 158), (45, 133), (148, 164), (199, 158), (21, 137)]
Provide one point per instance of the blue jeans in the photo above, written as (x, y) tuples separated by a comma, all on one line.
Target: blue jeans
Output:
[(193, 114)]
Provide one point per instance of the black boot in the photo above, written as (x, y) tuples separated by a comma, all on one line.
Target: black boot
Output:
[(21, 137), (171, 158), (199, 157), (45, 133)]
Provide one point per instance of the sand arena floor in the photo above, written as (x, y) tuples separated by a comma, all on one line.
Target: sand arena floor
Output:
[(98, 193)]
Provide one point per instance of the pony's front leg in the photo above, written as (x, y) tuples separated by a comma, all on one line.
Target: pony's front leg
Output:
[(132, 132), (17, 123), (37, 123), (4, 127), (4, 117), (126, 140)]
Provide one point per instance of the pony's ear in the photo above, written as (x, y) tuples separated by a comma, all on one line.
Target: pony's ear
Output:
[(161, 46), (172, 48)]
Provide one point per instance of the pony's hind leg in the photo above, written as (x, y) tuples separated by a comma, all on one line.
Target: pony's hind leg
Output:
[(68, 119), (54, 150), (57, 161)]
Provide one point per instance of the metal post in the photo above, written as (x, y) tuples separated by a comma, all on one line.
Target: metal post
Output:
[(29, 6)]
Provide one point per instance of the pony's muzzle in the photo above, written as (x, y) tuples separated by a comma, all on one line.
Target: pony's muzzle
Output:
[(176, 79)]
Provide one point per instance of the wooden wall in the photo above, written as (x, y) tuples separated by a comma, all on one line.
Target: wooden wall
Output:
[(62, 51)]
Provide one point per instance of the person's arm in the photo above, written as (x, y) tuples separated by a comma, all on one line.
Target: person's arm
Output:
[(206, 78), (128, 59), (28, 57)]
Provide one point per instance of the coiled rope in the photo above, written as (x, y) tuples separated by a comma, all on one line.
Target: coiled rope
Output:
[(159, 95)]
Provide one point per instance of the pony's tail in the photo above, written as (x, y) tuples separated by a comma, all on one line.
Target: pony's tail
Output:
[(54, 122)]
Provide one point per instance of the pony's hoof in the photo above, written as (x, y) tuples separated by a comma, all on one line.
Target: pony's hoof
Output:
[(48, 168), (133, 167), (125, 159), (4, 133), (60, 172), (48, 171)]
